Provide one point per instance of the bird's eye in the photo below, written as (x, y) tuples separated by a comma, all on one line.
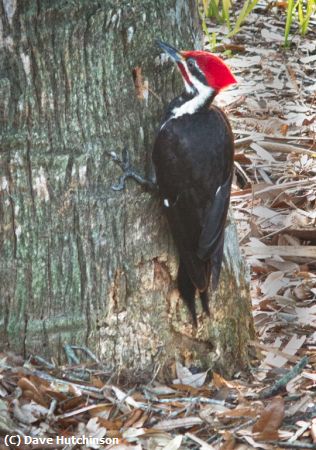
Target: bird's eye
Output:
[(190, 63)]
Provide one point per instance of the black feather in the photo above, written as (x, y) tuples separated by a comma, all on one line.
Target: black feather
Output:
[(187, 291), (193, 157)]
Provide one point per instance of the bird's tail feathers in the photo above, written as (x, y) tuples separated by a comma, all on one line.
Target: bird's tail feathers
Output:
[(204, 300), (216, 263), (187, 291)]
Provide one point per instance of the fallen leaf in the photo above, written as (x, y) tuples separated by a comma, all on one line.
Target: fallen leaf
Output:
[(273, 283), (313, 430), (270, 419), (220, 382), (174, 444), (28, 413), (242, 411), (171, 424), (229, 443), (204, 445), (255, 444), (187, 378), (6, 423)]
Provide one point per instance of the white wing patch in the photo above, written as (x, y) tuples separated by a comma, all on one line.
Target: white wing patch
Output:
[(166, 203)]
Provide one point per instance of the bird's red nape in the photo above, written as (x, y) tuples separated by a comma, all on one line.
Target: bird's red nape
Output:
[(217, 73)]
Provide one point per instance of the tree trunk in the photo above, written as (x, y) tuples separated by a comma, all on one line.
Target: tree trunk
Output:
[(82, 263)]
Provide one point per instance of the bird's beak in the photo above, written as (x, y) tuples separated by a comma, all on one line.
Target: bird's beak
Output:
[(171, 51)]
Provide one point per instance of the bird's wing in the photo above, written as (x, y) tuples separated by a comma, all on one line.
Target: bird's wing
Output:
[(194, 194), (184, 217), (214, 222)]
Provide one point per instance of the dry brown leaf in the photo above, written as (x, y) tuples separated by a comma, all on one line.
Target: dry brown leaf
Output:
[(219, 381), (174, 444), (94, 431), (26, 385), (303, 427), (278, 360), (140, 86), (207, 412), (273, 283), (171, 424), (204, 445), (128, 447), (182, 371), (185, 377), (110, 424), (185, 388), (260, 251), (98, 407), (6, 423), (161, 390), (241, 411), (270, 419), (306, 316), (28, 413), (123, 397), (313, 430), (229, 443), (36, 397), (302, 292), (301, 405), (284, 266), (255, 444), (262, 153), (135, 416)]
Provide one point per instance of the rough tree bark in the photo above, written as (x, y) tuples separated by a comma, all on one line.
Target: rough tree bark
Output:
[(81, 263)]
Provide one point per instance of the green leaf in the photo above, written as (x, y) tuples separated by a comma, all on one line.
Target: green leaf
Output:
[(226, 11), (245, 11), (289, 18)]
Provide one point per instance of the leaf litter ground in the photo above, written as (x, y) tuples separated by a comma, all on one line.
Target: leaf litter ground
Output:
[(273, 114)]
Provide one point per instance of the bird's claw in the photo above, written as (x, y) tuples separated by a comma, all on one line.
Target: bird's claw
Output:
[(121, 184), (128, 172)]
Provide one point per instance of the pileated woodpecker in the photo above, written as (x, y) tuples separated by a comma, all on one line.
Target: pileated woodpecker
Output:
[(193, 158)]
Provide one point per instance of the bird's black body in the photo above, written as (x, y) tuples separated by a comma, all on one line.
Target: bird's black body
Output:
[(193, 158)]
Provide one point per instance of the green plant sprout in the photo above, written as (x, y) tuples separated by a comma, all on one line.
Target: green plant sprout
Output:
[(222, 11)]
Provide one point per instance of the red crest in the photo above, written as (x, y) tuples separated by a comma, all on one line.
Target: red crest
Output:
[(217, 73)]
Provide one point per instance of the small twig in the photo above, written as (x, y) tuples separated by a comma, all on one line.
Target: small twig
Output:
[(282, 382), (239, 101), (285, 148), (52, 408), (87, 351), (44, 362), (243, 173), (273, 233), (235, 429), (210, 401), (201, 443), (268, 348), (47, 377), (295, 444), (304, 416), (243, 142)]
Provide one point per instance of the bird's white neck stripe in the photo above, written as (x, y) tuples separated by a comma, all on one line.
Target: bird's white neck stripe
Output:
[(203, 94), (193, 105)]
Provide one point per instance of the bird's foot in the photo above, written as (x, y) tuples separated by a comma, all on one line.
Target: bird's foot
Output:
[(129, 172)]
